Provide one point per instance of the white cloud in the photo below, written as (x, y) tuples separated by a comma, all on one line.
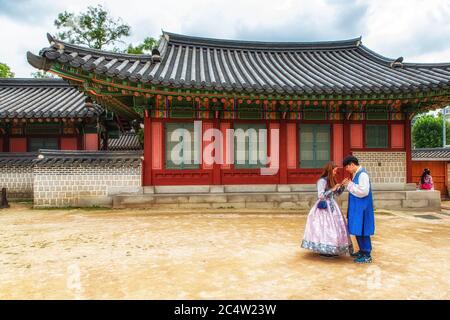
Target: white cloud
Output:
[(416, 29)]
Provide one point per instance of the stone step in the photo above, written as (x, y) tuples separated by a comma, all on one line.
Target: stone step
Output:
[(408, 200), (258, 188)]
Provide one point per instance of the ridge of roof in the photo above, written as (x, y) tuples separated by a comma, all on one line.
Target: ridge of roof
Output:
[(120, 55), (33, 82), (229, 43)]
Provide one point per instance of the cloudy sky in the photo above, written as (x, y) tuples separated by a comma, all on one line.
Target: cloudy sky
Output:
[(415, 29)]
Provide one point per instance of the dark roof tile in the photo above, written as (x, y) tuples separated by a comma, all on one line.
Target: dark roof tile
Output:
[(339, 67), (49, 98)]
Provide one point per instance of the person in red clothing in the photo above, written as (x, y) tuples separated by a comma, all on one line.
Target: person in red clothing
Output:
[(426, 181)]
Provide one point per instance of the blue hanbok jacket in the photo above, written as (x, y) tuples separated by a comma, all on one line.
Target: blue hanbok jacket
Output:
[(361, 219)]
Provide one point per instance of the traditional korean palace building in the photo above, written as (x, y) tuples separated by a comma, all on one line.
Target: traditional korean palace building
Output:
[(45, 114), (327, 100)]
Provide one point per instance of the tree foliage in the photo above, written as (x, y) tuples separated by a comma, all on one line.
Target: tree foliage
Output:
[(93, 28), (5, 71), (427, 132), (145, 47)]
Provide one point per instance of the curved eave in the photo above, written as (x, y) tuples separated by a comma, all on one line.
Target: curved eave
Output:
[(37, 61)]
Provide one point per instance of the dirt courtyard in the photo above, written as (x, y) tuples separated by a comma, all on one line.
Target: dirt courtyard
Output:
[(140, 254)]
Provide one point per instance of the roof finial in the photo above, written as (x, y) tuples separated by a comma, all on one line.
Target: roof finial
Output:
[(397, 63)]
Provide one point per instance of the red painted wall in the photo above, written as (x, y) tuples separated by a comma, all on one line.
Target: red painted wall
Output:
[(356, 136), (91, 141), (345, 137), (69, 143), (397, 136), (338, 143), (223, 129), (157, 146), (206, 125), (18, 145), (291, 141)]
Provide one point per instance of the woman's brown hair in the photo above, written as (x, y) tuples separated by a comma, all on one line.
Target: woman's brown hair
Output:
[(328, 174)]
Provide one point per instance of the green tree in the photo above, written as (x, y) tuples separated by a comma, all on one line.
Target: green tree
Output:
[(145, 47), (93, 28), (427, 131), (5, 71)]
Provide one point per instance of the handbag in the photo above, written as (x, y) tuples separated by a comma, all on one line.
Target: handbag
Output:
[(322, 204)]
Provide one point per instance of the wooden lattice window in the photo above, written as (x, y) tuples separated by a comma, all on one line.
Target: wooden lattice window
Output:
[(314, 145), (180, 147), (376, 136), (34, 144), (250, 148)]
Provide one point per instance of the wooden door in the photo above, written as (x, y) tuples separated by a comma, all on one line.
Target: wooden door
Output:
[(438, 172)]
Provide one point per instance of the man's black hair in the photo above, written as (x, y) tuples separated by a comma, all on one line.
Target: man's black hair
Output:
[(350, 159)]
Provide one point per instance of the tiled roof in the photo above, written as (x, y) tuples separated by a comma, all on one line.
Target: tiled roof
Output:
[(42, 98), (335, 67), (434, 154), (126, 141), (82, 158), (17, 158)]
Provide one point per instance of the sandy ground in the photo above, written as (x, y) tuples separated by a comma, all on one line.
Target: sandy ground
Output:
[(105, 254)]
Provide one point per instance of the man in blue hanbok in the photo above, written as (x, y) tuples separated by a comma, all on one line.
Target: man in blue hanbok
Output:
[(361, 220)]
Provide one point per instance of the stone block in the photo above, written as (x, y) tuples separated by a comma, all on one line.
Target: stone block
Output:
[(216, 189), (415, 203), (171, 199), (388, 186), (260, 205), (387, 204), (181, 189), (282, 197), (228, 205), (207, 198), (423, 195), (246, 198), (195, 205), (101, 201), (303, 205), (248, 188), (303, 187), (434, 204), (394, 195), (288, 205), (148, 190), (114, 190), (283, 188)]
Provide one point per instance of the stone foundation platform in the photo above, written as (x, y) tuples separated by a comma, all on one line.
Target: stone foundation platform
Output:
[(298, 197)]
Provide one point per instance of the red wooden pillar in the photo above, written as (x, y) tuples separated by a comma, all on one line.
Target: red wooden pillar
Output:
[(147, 163), (217, 177), (346, 139), (283, 152), (408, 149)]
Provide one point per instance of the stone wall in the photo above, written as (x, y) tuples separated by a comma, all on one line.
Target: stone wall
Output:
[(82, 185), (68, 178), (18, 180), (16, 174), (384, 167)]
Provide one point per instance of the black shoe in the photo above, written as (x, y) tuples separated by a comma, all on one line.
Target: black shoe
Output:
[(356, 254)]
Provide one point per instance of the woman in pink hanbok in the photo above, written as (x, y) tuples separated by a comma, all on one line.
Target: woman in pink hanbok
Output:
[(326, 230)]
